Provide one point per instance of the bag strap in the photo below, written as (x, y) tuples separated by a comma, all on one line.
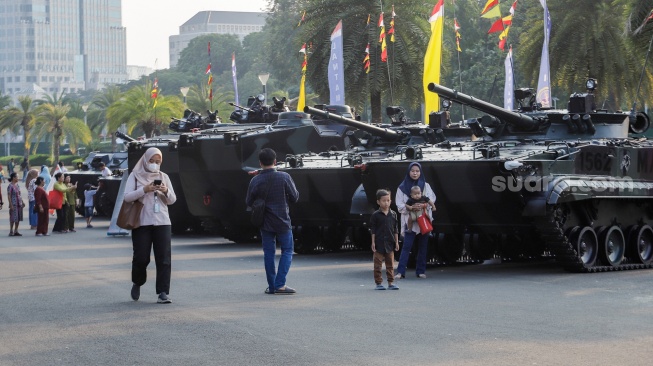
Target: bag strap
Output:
[(268, 188)]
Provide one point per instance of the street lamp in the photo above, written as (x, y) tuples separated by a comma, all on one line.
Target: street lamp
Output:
[(85, 108), (264, 80), (184, 91)]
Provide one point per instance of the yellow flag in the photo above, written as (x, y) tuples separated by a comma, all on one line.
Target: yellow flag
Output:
[(492, 13), (432, 60), (301, 102)]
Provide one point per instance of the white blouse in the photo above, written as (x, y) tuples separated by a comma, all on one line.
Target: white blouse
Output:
[(148, 216)]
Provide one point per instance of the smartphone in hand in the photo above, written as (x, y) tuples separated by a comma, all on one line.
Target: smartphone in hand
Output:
[(157, 182)]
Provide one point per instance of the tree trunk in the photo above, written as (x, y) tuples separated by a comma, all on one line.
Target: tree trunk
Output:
[(55, 145), (375, 105), (113, 142), (26, 144)]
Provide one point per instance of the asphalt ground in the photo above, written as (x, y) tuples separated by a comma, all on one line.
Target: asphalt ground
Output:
[(64, 300)]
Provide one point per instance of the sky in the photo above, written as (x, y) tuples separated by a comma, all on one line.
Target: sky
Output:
[(149, 23)]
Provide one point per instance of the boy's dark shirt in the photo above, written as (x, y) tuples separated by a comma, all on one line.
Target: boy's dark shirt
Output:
[(410, 201), (384, 228)]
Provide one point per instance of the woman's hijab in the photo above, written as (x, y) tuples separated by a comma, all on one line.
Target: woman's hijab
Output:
[(45, 173), (143, 174), (409, 183)]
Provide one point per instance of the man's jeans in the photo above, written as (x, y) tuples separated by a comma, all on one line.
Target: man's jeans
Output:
[(277, 279), (422, 243)]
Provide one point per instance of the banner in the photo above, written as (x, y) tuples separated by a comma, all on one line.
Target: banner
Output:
[(432, 60), (233, 74), (508, 97), (544, 83), (336, 68)]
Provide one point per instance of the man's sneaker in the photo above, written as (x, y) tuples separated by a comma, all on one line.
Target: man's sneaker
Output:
[(393, 287), (89, 226), (163, 298), (399, 276), (136, 292), (422, 275), (379, 287)]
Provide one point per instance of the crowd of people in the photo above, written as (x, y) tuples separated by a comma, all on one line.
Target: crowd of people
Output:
[(151, 187), (44, 199)]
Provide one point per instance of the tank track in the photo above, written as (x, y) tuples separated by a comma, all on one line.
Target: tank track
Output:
[(566, 255)]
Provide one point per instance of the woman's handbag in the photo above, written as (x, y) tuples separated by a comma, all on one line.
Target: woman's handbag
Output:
[(56, 199), (424, 222), (129, 217)]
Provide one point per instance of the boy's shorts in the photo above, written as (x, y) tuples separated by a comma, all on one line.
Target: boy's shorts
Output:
[(88, 211)]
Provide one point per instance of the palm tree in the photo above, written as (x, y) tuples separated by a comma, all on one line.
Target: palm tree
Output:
[(22, 116), (50, 120), (97, 112), (137, 109), (587, 40), (405, 56), (198, 100)]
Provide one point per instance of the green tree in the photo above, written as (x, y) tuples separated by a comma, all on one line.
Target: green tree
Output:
[(137, 110), (97, 111), (405, 56), (22, 116), (587, 40), (52, 121)]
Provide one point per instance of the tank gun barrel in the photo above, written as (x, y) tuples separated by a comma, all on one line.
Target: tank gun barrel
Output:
[(513, 118), (241, 107), (374, 130), (124, 136)]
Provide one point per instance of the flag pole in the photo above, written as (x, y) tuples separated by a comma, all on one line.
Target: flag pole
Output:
[(388, 66), (460, 77)]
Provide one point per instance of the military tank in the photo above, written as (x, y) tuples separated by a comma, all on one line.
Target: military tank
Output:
[(331, 204), (570, 183), (89, 171), (215, 164)]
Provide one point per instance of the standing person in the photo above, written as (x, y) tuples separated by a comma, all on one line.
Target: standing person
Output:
[(45, 174), (278, 190), (31, 186), (71, 200), (385, 239), (106, 172), (15, 205), (89, 195), (60, 222), (42, 207), (2, 174), (151, 187), (413, 178), (10, 166), (24, 166)]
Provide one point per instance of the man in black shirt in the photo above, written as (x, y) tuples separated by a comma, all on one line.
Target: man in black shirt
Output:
[(385, 239)]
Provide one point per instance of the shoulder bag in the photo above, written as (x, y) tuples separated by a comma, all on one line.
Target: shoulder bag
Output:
[(129, 217), (258, 209)]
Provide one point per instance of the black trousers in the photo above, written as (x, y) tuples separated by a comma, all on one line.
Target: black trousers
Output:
[(144, 239), (60, 222)]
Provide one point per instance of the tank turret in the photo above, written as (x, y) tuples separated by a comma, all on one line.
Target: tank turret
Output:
[(516, 119)]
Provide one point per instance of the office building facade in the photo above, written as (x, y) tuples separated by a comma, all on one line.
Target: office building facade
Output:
[(55, 46), (214, 22)]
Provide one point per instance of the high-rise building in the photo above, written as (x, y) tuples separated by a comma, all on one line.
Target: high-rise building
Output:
[(56, 46), (215, 22)]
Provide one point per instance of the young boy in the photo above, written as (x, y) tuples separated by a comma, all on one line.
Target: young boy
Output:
[(89, 192), (416, 197), (385, 239)]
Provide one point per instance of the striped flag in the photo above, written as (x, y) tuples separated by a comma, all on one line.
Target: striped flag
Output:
[(366, 60), (456, 28), (384, 47), (233, 75), (302, 19), (391, 31)]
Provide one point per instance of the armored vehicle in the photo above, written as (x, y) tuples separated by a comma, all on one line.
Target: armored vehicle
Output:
[(215, 164), (193, 120), (570, 183), (89, 172)]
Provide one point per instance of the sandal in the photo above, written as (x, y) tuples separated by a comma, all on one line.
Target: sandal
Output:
[(11, 233), (17, 234)]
